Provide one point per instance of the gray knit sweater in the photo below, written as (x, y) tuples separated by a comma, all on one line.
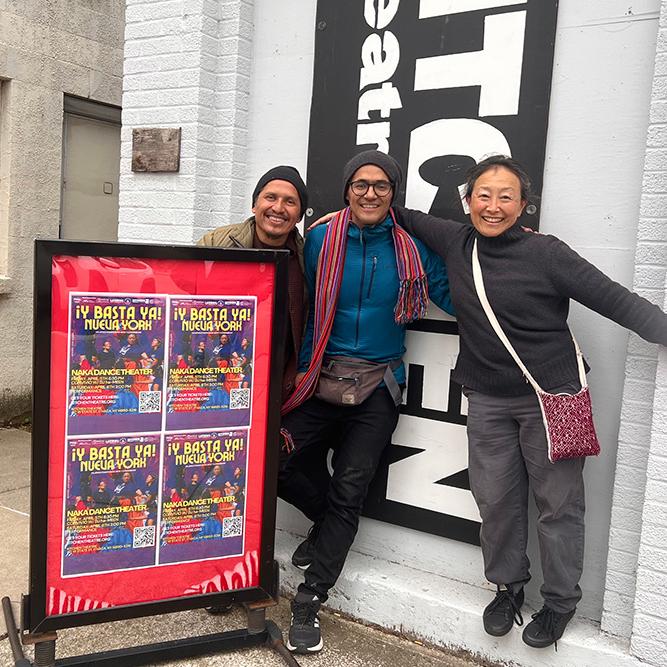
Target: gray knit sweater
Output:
[(529, 279)]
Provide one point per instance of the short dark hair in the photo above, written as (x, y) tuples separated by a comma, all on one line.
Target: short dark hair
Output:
[(495, 161)]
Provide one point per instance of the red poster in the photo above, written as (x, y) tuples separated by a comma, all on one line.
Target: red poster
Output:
[(157, 428)]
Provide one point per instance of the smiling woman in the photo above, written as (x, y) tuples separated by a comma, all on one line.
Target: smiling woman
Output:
[(529, 279), (496, 200)]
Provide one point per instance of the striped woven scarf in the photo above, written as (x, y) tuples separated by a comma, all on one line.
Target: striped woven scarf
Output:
[(411, 305)]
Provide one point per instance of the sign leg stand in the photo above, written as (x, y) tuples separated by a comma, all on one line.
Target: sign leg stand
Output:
[(256, 619), (45, 653), (45, 644), (13, 635), (275, 641), (256, 614)]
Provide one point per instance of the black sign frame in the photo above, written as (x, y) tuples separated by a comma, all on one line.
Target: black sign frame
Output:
[(34, 618)]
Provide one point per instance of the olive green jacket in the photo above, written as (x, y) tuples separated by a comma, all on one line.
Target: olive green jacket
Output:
[(241, 235)]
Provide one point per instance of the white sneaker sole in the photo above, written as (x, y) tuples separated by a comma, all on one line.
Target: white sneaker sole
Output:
[(304, 650)]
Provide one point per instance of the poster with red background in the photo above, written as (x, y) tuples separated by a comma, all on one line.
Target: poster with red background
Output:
[(154, 278)]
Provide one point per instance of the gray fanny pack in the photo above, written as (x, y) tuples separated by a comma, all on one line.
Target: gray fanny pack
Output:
[(350, 381)]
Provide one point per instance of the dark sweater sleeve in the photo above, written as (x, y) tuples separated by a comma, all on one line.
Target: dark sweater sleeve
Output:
[(438, 280), (578, 279), (436, 233)]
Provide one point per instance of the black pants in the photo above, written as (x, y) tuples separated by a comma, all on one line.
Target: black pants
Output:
[(362, 431)]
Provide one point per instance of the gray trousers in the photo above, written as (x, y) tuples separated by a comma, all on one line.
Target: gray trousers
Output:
[(507, 451)]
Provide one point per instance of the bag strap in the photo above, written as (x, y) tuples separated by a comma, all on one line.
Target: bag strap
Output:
[(493, 320), (392, 385)]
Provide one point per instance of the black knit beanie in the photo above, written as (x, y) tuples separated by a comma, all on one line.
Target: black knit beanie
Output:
[(283, 173), (379, 159)]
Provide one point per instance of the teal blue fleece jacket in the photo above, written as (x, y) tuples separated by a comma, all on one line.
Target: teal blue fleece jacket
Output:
[(364, 325)]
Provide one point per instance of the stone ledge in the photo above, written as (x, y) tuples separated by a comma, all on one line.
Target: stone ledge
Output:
[(447, 613)]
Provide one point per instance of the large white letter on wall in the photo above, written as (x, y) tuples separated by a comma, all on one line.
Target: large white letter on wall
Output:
[(497, 68), (430, 8), (449, 136)]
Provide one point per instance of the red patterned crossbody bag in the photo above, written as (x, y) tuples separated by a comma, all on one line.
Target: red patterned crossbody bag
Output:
[(568, 419)]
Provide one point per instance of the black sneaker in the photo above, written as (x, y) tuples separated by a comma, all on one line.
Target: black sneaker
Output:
[(503, 611), (304, 630), (546, 628), (303, 555)]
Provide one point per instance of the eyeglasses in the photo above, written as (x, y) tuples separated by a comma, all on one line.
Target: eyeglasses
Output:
[(381, 188)]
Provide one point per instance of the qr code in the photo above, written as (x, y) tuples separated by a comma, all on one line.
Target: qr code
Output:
[(239, 399), (149, 401), (143, 536), (232, 526)]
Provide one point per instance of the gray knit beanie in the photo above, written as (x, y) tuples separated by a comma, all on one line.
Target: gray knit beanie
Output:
[(379, 159)]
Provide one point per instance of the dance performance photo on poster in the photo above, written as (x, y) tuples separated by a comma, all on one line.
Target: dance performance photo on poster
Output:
[(203, 495), (116, 360), (210, 362), (110, 510)]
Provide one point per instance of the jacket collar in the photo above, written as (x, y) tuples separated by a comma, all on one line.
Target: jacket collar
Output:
[(244, 237), (381, 228)]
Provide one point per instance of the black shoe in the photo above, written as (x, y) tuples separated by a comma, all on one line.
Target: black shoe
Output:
[(303, 555), (304, 630), (546, 628), (503, 611), (220, 609)]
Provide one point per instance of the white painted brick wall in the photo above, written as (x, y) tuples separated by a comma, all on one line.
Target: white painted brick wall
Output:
[(631, 606), (187, 64), (649, 632)]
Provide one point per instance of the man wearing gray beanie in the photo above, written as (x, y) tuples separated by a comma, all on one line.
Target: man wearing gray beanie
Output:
[(375, 279)]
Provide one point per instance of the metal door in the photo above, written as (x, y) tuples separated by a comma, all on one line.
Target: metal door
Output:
[(91, 164)]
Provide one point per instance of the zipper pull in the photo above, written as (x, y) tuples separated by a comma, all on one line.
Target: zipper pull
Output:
[(370, 283)]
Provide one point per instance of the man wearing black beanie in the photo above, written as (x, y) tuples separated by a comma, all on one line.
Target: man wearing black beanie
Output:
[(279, 201)]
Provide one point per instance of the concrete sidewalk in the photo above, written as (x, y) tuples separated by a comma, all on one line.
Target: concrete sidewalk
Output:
[(346, 643)]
